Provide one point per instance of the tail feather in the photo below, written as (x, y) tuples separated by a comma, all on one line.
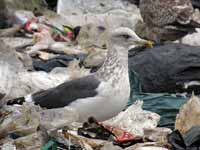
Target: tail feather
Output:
[(187, 27), (18, 101)]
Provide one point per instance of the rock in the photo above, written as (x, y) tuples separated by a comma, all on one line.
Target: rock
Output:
[(188, 115), (135, 120)]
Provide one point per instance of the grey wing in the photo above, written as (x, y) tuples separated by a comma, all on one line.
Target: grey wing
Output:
[(67, 92)]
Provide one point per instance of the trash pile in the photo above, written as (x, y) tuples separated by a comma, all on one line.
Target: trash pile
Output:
[(30, 127), (41, 50)]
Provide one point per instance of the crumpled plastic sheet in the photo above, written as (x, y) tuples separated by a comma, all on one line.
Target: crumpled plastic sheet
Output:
[(16, 83), (134, 119), (25, 119), (21, 120), (59, 117), (32, 141)]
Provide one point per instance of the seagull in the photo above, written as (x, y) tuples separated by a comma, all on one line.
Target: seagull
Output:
[(102, 94), (168, 20)]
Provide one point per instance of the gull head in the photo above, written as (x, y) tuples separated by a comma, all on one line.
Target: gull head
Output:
[(127, 38)]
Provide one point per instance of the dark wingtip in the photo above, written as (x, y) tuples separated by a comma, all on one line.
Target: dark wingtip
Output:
[(18, 101)]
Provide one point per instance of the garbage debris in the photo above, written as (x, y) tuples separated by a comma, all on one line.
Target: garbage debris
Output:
[(110, 146), (40, 50), (188, 114), (157, 135), (48, 63), (65, 138), (32, 141), (190, 140), (135, 120), (10, 32), (149, 146), (56, 118), (8, 146), (14, 73), (98, 130), (21, 120), (91, 35)]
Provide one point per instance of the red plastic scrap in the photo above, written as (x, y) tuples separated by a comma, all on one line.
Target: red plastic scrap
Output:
[(121, 135), (57, 34), (27, 25)]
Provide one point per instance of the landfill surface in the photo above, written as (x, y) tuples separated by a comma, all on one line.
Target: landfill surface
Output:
[(45, 43)]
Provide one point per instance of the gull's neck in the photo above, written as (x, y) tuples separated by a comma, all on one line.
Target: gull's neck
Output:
[(115, 64)]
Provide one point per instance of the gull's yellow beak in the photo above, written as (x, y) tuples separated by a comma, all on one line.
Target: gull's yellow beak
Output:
[(149, 44), (146, 43)]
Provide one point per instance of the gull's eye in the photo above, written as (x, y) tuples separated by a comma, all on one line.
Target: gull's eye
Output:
[(126, 36)]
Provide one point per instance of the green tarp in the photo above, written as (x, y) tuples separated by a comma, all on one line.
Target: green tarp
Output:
[(166, 105)]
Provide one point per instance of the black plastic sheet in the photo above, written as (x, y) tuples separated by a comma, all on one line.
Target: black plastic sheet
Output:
[(190, 141)]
